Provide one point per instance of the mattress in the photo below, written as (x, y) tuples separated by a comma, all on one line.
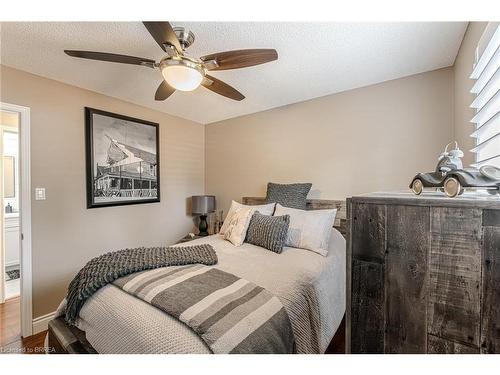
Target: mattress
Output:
[(310, 286)]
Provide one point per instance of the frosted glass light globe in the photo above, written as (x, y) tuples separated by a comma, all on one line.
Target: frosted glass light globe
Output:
[(182, 77)]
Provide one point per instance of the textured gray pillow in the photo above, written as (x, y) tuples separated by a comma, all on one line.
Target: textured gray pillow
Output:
[(268, 231), (288, 195)]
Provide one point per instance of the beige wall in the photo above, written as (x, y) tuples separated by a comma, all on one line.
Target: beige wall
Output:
[(369, 139), (463, 84), (66, 234)]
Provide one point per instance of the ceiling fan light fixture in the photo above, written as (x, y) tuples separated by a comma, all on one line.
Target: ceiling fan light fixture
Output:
[(182, 74), (180, 71)]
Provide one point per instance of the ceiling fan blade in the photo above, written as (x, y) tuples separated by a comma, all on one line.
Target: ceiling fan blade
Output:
[(111, 57), (241, 58), (222, 88), (163, 33), (164, 91)]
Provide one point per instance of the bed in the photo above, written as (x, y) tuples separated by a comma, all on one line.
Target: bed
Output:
[(311, 288)]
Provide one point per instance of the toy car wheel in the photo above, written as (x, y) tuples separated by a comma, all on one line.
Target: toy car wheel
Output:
[(493, 191), (417, 186), (452, 187)]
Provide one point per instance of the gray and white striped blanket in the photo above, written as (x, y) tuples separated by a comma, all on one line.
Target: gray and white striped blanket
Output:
[(230, 314)]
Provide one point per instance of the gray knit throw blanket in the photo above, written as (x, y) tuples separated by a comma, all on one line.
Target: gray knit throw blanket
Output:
[(108, 267)]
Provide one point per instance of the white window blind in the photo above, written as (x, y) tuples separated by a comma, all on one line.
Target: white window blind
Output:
[(486, 72)]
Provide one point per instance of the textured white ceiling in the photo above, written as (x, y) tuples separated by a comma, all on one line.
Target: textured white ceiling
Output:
[(315, 59)]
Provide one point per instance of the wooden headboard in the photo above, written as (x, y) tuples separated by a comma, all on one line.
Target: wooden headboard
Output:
[(313, 204)]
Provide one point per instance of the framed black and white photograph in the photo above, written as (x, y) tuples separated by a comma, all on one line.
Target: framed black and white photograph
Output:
[(123, 161)]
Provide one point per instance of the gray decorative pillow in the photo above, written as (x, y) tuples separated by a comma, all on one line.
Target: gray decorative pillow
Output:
[(268, 231), (288, 195)]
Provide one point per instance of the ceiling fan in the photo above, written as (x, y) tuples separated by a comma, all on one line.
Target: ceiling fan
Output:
[(183, 72)]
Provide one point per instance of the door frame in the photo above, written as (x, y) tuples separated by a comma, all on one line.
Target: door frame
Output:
[(25, 215), (7, 129), (2, 227)]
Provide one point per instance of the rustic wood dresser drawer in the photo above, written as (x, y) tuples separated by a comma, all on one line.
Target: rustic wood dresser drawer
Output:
[(423, 274)]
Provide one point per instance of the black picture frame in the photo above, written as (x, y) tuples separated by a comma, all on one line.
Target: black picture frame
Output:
[(117, 196)]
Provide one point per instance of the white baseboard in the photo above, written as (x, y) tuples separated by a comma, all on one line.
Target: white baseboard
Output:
[(41, 323)]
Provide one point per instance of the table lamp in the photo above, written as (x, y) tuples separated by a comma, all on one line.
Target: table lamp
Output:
[(202, 205)]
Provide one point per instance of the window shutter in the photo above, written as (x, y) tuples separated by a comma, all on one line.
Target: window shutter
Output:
[(486, 74)]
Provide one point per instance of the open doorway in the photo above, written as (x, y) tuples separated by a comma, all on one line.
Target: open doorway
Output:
[(9, 132), (10, 234), (16, 319)]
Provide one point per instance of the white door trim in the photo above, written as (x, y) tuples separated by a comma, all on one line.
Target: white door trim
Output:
[(25, 217)]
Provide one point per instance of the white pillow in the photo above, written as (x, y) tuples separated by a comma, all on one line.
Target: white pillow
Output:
[(310, 230), (264, 209), (237, 227)]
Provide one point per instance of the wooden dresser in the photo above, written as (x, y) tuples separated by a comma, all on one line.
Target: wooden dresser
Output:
[(423, 274)]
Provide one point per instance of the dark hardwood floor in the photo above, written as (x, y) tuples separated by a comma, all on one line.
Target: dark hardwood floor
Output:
[(10, 322), (10, 331), (337, 346)]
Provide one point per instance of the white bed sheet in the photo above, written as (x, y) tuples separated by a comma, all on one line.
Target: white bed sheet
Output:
[(310, 286)]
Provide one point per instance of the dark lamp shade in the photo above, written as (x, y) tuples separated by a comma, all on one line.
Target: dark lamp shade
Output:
[(202, 204)]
